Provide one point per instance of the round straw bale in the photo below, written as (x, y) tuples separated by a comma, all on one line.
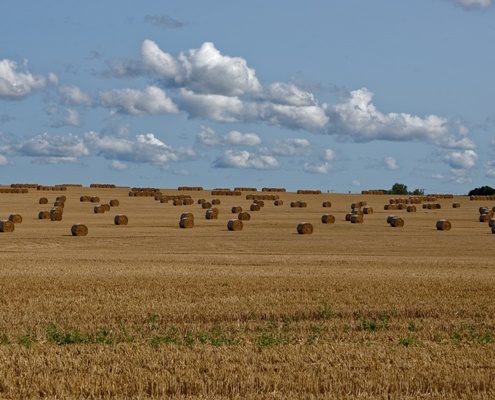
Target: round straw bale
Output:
[(187, 215), (84, 198), (443, 225), (99, 209), (390, 217), (186, 223), (15, 218), (44, 215), (43, 200), (79, 230), (357, 211), (7, 226), (62, 198), (164, 200), (305, 228), (397, 222), (294, 204), (234, 225), (215, 201), (483, 210), (491, 222), (114, 203), (55, 215), (363, 203), (121, 219), (456, 205), (261, 203), (244, 216), (59, 203), (493, 229), (411, 209), (357, 219), (348, 216), (211, 214), (355, 205), (206, 205), (367, 210), (177, 202), (106, 207), (188, 201), (94, 199), (327, 204), (278, 202), (485, 217), (328, 219), (302, 204), (201, 201), (255, 207), (236, 209)]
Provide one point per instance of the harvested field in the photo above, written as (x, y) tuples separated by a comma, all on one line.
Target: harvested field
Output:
[(152, 310)]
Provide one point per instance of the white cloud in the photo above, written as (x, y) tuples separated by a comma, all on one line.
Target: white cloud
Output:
[(52, 149), (157, 60), (152, 100), (324, 168), (437, 176), (390, 163), (143, 149), (461, 160), (329, 155), (288, 94), (357, 117), (163, 21), (292, 147), (310, 118), (460, 176), (73, 95), (3, 161), (116, 165), (474, 4), (356, 183), (15, 84), (244, 159), (208, 137)]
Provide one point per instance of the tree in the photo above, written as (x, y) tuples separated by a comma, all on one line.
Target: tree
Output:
[(399, 188), (482, 191)]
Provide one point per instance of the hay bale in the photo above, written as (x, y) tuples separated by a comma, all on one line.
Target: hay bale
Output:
[(236, 209), (215, 201), (44, 215), (94, 199), (188, 201), (326, 204), (211, 214), (55, 215), (357, 219), (84, 198), (493, 229), (491, 222), (456, 205), (278, 202), (7, 226), (201, 201), (328, 219), (244, 216), (390, 217), (397, 222), (348, 216), (411, 209), (187, 215), (79, 230), (261, 203), (59, 203), (305, 228), (164, 200), (302, 204), (234, 225), (206, 205), (99, 209), (177, 202), (15, 218), (294, 204), (121, 219), (255, 207), (368, 210), (106, 207), (443, 225), (186, 223), (62, 198), (485, 217), (43, 200), (114, 203)]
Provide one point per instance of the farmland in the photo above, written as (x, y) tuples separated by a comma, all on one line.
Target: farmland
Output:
[(148, 309)]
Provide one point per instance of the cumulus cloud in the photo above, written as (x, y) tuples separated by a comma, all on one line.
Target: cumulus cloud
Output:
[(145, 148), (3, 161), (324, 168), (288, 94), (245, 160), (46, 148), (461, 160), (474, 4), (117, 165), (71, 119), (357, 118), (73, 95), (209, 137), (292, 147), (159, 61), (163, 21), (152, 100), (460, 176), (390, 163), (16, 84), (329, 155), (311, 118)]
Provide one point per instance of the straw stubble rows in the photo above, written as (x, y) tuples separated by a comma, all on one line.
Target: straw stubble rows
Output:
[(151, 309)]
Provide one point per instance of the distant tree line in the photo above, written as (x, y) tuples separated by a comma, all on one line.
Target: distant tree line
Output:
[(401, 189), (482, 191)]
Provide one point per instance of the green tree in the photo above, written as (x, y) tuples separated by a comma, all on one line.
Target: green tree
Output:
[(399, 188), (482, 191)]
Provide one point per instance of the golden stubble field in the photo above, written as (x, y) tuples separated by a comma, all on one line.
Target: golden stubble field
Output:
[(152, 310)]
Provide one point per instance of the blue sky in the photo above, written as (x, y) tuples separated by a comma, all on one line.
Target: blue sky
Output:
[(331, 95)]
